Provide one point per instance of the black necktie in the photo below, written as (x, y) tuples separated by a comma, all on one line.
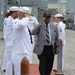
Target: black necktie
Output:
[(47, 35), (30, 35)]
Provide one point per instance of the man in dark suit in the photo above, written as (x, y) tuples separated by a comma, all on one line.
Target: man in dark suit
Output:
[(47, 44)]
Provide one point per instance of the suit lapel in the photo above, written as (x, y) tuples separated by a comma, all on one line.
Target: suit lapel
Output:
[(43, 29), (51, 29)]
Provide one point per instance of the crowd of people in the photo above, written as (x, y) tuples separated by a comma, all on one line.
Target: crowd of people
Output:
[(20, 28)]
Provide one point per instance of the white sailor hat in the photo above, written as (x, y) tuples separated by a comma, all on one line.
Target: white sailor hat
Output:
[(59, 15), (22, 10), (27, 9), (30, 10), (14, 8)]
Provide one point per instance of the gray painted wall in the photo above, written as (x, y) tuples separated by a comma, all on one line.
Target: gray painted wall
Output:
[(1, 14), (71, 5), (35, 11)]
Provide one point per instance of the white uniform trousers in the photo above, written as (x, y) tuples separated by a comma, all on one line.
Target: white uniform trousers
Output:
[(7, 56), (31, 52), (60, 60), (9, 69), (63, 49), (56, 61), (16, 62)]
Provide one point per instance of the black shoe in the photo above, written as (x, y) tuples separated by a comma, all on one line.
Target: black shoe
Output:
[(55, 70), (4, 70)]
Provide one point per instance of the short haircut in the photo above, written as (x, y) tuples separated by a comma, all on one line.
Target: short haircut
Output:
[(47, 14)]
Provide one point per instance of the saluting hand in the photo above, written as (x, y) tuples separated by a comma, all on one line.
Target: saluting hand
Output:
[(42, 21), (21, 15)]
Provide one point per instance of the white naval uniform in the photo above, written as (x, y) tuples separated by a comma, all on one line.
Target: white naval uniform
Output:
[(33, 22), (8, 40), (61, 30), (74, 19), (21, 44)]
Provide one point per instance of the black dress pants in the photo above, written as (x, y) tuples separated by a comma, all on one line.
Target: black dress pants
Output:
[(46, 60)]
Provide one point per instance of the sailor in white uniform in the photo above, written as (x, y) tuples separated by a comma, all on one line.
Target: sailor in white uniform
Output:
[(61, 29), (5, 25), (8, 34), (33, 22), (21, 44), (6, 57)]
